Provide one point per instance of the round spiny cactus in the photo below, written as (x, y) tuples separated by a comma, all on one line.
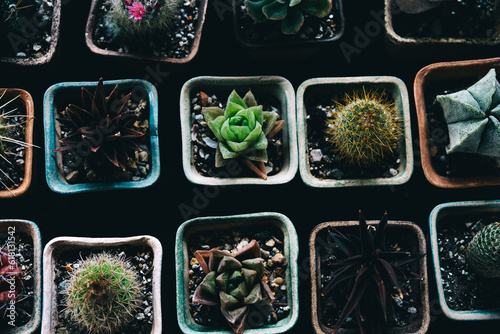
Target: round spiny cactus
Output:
[(102, 293), (483, 252), (366, 128)]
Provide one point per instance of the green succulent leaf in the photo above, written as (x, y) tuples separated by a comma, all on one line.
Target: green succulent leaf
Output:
[(294, 2), (237, 146), (216, 125), (254, 9), (256, 264), (235, 316), (228, 263), (216, 255), (270, 118), (293, 21), (232, 109), (227, 301), (222, 281), (486, 91), (491, 138), (211, 113), (249, 276), (254, 296), (275, 11), (240, 291), (208, 284), (318, 8), (236, 99), (250, 100)]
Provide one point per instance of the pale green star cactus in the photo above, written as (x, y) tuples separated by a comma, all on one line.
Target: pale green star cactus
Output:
[(241, 128), (234, 282), (473, 116), (289, 12)]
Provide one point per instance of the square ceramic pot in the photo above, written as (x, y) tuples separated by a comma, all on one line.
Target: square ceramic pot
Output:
[(278, 87), (236, 222), (418, 323), (25, 102), (436, 218), (57, 246), (395, 88), (93, 21), (52, 105), (33, 29), (10, 227), (467, 71)]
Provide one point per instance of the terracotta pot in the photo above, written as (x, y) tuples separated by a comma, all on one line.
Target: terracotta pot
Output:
[(27, 102), (56, 22), (91, 22), (57, 246), (277, 87), (24, 226), (468, 70), (228, 223), (395, 229), (395, 87), (458, 209)]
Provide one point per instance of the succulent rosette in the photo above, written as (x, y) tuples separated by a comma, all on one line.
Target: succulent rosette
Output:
[(234, 282), (241, 128)]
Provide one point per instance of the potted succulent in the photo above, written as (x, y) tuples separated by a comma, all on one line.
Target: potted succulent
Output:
[(354, 132), (102, 278), (29, 31), (447, 163), (238, 130), (464, 244), (21, 268), (374, 271), (433, 24), (292, 29), (159, 30), (16, 141), (237, 274), (101, 135)]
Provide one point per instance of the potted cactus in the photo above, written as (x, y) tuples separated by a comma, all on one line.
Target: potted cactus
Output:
[(29, 31), (107, 139), (464, 245), (21, 288), (451, 159), (377, 277), (440, 25), (115, 279), (237, 274), (246, 138), (277, 27), (354, 132), (160, 30), (16, 141)]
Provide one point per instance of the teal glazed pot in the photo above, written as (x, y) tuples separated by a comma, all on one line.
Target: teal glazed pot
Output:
[(277, 87), (458, 209), (395, 88), (31, 229), (53, 160), (207, 224)]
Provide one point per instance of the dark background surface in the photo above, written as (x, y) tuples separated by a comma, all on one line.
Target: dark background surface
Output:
[(155, 210)]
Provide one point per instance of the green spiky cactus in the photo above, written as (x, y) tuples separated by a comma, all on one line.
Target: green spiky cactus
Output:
[(483, 252), (140, 18), (289, 12), (102, 293), (365, 129)]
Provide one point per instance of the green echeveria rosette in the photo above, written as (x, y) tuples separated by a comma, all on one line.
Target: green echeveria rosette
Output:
[(473, 116), (289, 12), (483, 252), (240, 128)]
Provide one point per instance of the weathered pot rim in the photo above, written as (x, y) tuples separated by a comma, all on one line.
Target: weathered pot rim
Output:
[(111, 53), (29, 227), (28, 161), (288, 44), (56, 181), (424, 75), (286, 174), (434, 217), (226, 222), (406, 156), (56, 20), (351, 223), (67, 242), (397, 39)]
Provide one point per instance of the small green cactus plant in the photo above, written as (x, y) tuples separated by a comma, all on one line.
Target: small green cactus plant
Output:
[(102, 293), (234, 282), (140, 18), (242, 130), (289, 12), (365, 129), (473, 117), (483, 252)]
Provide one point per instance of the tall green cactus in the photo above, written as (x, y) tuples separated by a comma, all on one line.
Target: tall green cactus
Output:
[(483, 252)]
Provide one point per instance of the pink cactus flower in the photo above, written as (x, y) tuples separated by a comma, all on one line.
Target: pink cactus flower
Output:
[(128, 2), (136, 11)]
